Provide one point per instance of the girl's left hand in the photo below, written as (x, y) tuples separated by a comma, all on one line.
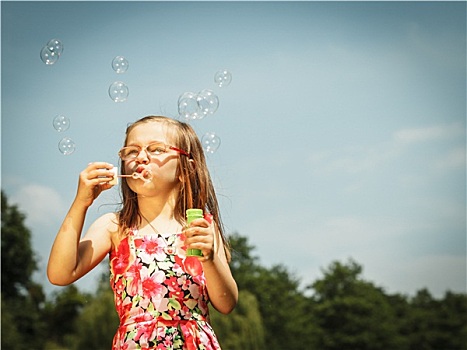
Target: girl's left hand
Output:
[(200, 235)]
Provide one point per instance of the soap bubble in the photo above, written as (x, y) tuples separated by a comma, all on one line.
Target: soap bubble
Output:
[(61, 123), (120, 64), (48, 57), (208, 102), (210, 142), (188, 106), (55, 46), (66, 146), (197, 106), (222, 78), (118, 91)]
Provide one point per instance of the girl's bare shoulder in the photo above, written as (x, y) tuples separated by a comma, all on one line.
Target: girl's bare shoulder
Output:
[(108, 222), (111, 225)]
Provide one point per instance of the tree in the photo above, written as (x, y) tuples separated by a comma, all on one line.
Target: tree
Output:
[(22, 298), (61, 315), (98, 321), (242, 329), (437, 324), (18, 259), (281, 303), (352, 313)]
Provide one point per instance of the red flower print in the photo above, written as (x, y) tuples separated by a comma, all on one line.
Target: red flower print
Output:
[(174, 314), (172, 283), (184, 282), (135, 279), (121, 259), (152, 247), (152, 288), (177, 295), (145, 333)]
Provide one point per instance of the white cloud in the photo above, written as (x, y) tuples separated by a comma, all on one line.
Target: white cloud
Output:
[(454, 159), (364, 159), (431, 133), (351, 161), (42, 205)]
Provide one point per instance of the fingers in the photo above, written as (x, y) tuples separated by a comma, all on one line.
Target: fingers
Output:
[(93, 180), (98, 173), (200, 237)]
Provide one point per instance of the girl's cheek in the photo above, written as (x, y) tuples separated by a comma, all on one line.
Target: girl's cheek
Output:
[(128, 168)]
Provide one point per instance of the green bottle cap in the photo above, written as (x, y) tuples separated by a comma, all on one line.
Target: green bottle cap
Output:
[(192, 214)]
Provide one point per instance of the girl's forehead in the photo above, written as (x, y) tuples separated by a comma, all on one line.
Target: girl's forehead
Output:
[(151, 131)]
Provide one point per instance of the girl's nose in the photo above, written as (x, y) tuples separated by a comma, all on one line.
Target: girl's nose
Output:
[(142, 157)]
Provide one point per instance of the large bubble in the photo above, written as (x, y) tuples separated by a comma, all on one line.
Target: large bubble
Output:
[(208, 102), (197, 105), (188, 107)]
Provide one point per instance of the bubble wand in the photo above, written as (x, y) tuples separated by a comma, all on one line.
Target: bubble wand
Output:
[(145, 175)]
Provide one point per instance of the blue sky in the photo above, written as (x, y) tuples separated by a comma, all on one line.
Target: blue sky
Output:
[(343, 131)]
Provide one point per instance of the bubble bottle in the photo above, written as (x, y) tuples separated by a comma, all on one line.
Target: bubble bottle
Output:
[(193, 214)]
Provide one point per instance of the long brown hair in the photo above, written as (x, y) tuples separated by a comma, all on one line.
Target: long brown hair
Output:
[(196, 190)]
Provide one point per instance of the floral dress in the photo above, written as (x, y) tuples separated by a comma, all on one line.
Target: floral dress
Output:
[(160, 295)]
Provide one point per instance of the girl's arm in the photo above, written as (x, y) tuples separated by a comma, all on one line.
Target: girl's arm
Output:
[(222, 288), (71, 258)]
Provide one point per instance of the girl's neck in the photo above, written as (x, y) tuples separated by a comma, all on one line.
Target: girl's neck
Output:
[(156, 207)]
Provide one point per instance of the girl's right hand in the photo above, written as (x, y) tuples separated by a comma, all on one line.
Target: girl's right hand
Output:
[(93, 180)]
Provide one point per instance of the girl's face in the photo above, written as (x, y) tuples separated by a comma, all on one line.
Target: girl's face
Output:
[(161, 162)]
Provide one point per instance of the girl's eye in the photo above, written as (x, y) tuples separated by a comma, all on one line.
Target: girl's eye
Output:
[(156, 148), (132, 151)]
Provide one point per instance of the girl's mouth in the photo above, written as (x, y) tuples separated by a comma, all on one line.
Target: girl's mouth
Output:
[(140, 169)]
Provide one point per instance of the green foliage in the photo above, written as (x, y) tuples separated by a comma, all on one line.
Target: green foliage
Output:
[(62, 311), (243, 329), (352, 313), (281, 304), (22, 298), (17, 253), (438, 324), (98, 320)]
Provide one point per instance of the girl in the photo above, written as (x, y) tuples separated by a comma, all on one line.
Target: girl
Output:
[(161, 295)]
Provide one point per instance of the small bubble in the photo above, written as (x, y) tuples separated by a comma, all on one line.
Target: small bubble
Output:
[(118, 91), (208, 102), (210, 142), (66, 146), (48, 57), (120, 64), (55, 46), (61, 123), (222, 78)]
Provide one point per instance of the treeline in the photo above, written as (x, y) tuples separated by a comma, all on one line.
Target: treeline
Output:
[(339, 311)]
